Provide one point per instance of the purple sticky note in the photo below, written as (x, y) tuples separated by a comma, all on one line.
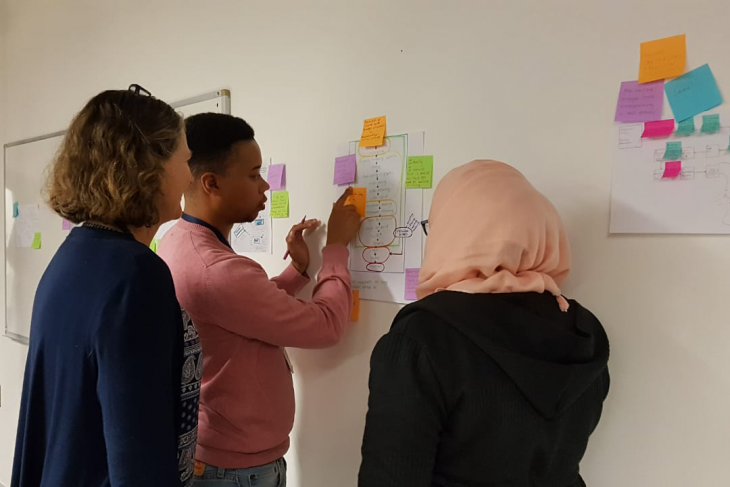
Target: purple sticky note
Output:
[(640, 102), (277, 176), (411, 283), (65, 224), (660, 128), (672, 169), (345, 168)]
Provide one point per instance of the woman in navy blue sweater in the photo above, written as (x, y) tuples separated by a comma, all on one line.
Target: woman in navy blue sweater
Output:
[(112, 379)]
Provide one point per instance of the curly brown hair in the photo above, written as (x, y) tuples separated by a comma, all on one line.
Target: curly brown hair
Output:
[(110, 164)]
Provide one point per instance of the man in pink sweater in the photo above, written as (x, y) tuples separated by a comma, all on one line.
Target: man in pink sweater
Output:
[(244, 318)]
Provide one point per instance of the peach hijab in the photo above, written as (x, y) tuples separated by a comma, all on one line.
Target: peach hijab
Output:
[(491, 231)]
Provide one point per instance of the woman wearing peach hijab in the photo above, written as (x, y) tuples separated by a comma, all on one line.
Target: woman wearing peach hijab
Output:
[(492, 377)]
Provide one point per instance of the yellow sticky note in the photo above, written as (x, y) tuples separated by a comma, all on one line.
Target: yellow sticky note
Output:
[(153, 245), (373, 132), (419, 172), (36, 241), (359, 198), (355, 315), (280, 204), (663, 58)]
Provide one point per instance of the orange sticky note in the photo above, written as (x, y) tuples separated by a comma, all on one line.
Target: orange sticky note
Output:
[(663, 58), (355, 315), (373, 132), (358, 198)]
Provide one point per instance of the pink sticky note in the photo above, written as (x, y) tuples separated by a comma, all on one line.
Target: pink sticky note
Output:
[(345, 168), (66, 225), (660, 128), (411, 283), (672, 169), (277, 176), (640, 102)]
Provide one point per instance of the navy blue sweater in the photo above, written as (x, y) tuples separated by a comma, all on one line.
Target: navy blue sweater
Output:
[(112, 379)]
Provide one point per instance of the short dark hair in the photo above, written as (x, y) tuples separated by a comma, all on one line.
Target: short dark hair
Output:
[(110, 164), (211, 137)]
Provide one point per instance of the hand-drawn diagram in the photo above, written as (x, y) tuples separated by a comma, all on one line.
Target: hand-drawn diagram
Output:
[(697, 201), (389, 239)]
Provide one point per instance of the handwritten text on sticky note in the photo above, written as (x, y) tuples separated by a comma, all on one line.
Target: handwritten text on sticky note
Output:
[(663, 58), (411, 283), (358, 198), (711, 123), (345, 169), (373, 132), (419, 172), (693, 93), (686, 127), (640, 102), (673, 151), (280, 204)]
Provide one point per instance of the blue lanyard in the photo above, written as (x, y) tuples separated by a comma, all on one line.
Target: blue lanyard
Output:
[(207, 225)]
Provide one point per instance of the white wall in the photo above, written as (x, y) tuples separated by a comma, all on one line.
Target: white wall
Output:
[(530, 83)]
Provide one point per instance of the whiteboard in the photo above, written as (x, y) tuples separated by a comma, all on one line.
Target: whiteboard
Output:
[(25, 164)]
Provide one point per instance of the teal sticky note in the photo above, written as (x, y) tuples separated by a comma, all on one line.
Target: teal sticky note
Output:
[(673, 151), (710, 124), (686, 127), (15, 210), (693, 93)]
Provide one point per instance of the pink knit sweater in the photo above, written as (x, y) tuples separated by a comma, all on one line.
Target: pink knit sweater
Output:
[(244, 320)]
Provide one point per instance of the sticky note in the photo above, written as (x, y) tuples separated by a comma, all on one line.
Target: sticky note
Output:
[(693, 93), (662, 58), (65, 224), (673, 151), (672, 169), (710, 124), (728, 147), (686, 127), (660, 128), (411, 283), (36, 241), (345, 169), (359, 199), (355, 314), (280, 204), (373, 132), (15, 210), (277, 176), (640, 102), (153, 245), (419, 172)]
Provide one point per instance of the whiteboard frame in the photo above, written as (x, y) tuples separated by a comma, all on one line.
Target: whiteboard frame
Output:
[(225, 96)]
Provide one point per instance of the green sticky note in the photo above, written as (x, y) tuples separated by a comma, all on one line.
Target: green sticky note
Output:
[(728, 147), (36, 241), (710, 124), (280, 204), (686, 127), (153, 245), (673, 152), (419, 172), (15, 210)]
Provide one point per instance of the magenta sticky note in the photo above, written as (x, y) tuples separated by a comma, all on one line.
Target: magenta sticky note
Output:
[(277, 176), (66, 225), (660, 128), (345, 168), (411, 283), (672, 169), (640, 102)]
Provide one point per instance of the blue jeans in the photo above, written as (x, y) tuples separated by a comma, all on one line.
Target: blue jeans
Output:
[(270, 475)]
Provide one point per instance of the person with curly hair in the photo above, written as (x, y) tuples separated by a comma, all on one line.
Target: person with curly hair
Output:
[(110, 396)]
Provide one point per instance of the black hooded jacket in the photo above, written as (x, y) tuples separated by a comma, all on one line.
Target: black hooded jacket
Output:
[(484, 390)]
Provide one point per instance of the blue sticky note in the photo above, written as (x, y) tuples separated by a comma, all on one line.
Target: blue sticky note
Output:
[(693, 93), (15, 210)]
